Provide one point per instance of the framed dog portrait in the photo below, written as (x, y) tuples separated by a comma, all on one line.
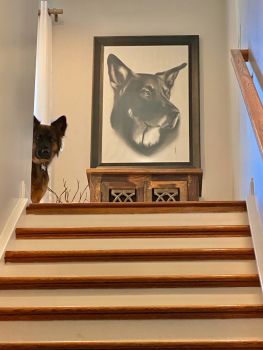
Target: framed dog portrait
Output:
[(145, 108)]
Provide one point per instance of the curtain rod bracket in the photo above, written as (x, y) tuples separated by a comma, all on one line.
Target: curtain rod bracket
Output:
[(54, 12)]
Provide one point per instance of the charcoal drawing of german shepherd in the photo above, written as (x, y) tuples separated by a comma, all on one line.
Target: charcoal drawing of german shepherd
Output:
[(47, 141), (142, 113)]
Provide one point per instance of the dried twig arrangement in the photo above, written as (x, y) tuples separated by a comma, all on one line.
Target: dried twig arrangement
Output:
[(79, 196)]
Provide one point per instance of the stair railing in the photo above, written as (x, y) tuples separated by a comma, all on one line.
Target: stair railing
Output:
[(255, 112), (250, 94)]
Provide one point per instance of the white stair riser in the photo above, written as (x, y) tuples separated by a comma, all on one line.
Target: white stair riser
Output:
[(180, 268), (236, 329), (147, 243), (174, 219), (130, 297)]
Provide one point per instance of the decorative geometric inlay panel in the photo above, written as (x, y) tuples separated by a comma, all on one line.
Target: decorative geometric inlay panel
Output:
[(120, 195), (166, 195)]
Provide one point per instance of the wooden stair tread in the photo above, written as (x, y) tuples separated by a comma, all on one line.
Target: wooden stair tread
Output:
[(132, 312), (142, 345), (132, 232), (189, 254), (58, 282), (157, 207)]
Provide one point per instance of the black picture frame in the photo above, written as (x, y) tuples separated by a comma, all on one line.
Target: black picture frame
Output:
[(102, 46)]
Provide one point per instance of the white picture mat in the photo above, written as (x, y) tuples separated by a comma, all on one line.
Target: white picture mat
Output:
[(148, 59)]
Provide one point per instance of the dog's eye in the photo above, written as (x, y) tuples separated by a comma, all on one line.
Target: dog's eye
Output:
[(146, 92)]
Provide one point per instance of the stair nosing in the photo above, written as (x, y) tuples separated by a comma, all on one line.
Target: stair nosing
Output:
[(181, 254), (254, 344), (134, 232), (94, 282), (131, 312), (137, 207)]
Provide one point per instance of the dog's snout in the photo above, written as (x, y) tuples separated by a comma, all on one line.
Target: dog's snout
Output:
[(43, 153)]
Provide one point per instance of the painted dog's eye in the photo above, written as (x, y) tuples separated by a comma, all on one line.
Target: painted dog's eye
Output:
[(147, 92)]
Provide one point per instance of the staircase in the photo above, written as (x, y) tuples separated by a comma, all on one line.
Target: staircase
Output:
[(135, 276)]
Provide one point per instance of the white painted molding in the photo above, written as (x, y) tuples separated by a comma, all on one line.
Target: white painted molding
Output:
[(256, 227), (10, 225)]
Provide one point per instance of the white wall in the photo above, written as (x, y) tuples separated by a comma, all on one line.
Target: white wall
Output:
[(73, 53), (244, 25), (18, 24)]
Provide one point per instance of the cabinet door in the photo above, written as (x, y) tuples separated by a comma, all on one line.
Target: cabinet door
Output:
[(167, 191), (122, 192)]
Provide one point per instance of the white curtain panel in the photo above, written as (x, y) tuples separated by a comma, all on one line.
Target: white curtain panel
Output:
[(43, 82)]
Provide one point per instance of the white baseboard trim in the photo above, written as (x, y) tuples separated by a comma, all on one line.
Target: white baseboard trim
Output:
[(256, 227), (10, 225)]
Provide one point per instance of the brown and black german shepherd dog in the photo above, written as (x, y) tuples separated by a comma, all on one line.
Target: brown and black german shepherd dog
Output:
[(47, 140)]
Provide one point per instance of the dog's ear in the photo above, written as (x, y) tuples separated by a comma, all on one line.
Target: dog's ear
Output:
[(60, 125), (170, 75), (119, 73)]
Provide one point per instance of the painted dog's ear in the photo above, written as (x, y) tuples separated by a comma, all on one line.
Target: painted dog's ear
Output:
[(170, 75), (60, 125), (119, 73)]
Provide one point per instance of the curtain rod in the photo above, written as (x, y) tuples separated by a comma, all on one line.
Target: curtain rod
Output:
[(54, 12)]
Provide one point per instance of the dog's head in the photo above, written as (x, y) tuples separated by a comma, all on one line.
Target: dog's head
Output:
[(142, 113), (47, 140)]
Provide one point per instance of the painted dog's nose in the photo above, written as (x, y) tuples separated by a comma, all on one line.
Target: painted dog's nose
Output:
[(175, 117), (175, 121), (43, 153), (170, 119)]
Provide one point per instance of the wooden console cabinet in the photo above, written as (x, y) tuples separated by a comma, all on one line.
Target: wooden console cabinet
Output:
[(144, 184)]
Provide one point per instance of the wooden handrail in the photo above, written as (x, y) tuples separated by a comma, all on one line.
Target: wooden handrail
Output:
[(249, 92), (255, 111)]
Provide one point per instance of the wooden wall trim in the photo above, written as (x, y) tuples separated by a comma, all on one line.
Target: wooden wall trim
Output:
[(130, 255), (176, 281), (130, 312), (249, 92), (137, 208), (137, 344), (143, 170)]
